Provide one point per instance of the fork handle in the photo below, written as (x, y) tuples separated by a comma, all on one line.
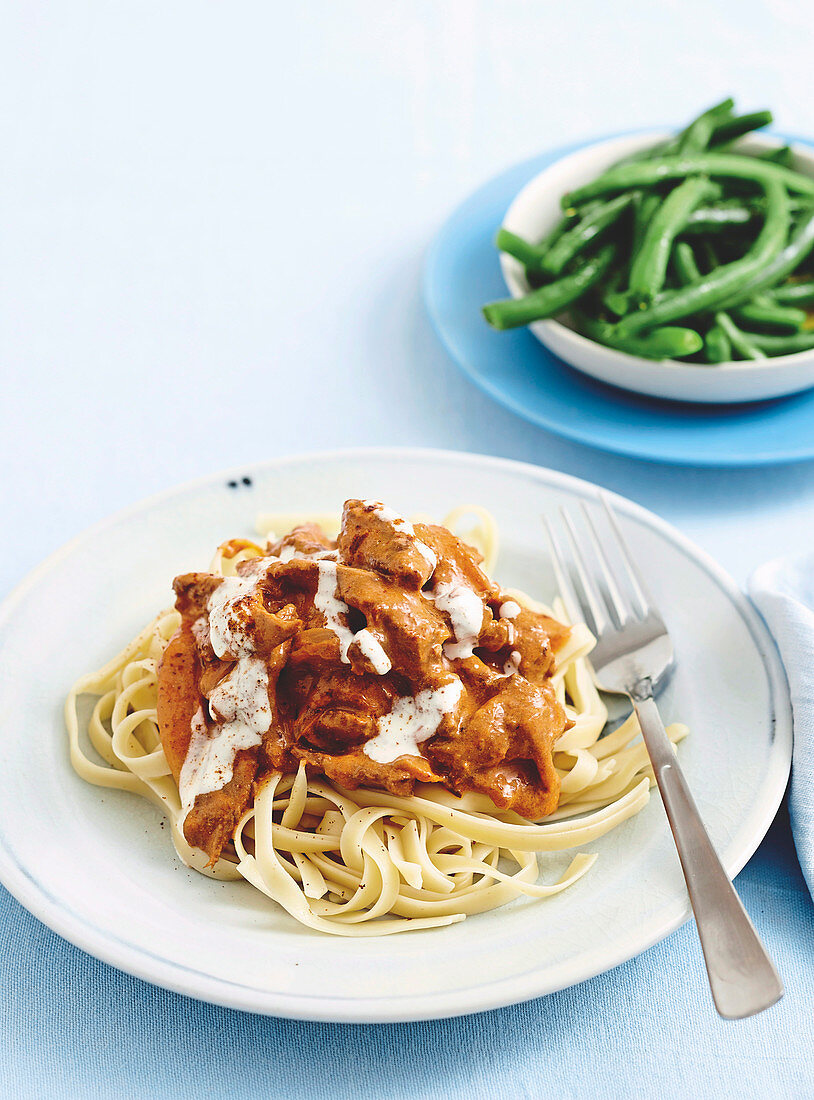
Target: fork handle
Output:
[(742, 977)]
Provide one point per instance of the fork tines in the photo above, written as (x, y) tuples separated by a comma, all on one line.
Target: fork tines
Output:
[(598, 580)]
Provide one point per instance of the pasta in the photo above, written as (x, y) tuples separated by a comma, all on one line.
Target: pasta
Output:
[(368, 862)]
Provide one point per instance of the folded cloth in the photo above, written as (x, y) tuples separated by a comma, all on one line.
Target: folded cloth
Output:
[(784, 593)]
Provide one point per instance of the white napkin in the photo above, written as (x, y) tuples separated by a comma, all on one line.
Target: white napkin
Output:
[(784, 593)]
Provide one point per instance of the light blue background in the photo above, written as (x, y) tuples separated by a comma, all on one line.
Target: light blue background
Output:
[(212, 224)]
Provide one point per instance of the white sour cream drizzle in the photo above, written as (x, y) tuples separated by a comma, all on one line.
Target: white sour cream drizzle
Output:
[(513, 663), (194, 764), (288, 553), (465, 610), (239, 705), (509, 610), (227, 611), (412, 720), (327, 601)]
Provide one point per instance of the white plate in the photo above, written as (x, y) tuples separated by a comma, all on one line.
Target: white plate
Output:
[(98, 868), (534, 213)]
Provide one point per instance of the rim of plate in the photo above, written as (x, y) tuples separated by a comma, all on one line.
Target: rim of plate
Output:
[(35, 896), (517, 284)]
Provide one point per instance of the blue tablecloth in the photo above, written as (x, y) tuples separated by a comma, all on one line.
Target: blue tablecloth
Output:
[(74, 1027)]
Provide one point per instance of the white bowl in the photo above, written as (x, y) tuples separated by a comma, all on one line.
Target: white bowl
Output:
[(534, 213)]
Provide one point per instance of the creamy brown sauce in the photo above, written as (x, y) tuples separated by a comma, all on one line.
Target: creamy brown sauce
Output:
[(384, 658)]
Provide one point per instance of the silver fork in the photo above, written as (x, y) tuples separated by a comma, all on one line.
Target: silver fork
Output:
[(633, 657)]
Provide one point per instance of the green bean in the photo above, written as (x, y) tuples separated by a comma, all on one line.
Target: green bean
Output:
[(685, 264), (717, 346), (730, 128), (562, 226), (784, 345), (530, 255), (742, 342), (649, 266), (781, 265), (644, 210), (660, 343), (695, 137), (762, 313), (566, 221), (718, 113), (615, 302), (611, 295), (727, 334), (698, 136), (783, 155), (660, 170), (793, 293), (584, 232), (711, 291), (721, 110), (732, 214), (551, 298)]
